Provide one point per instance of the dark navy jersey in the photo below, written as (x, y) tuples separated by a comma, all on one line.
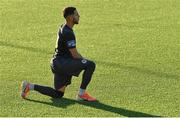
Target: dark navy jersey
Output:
[(65, 41)]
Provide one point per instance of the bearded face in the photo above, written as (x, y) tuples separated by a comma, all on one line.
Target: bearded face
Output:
[(76, 17)]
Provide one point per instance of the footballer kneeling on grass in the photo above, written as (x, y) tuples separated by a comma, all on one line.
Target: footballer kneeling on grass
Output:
[(66, 62)]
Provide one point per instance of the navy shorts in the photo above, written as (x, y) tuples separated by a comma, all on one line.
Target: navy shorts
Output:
[(64, 68), (61, 80)]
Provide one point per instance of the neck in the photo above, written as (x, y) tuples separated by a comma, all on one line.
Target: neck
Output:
[(69, 24)]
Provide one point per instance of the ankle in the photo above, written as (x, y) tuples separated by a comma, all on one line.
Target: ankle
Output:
[(81, 91), (31, 86)]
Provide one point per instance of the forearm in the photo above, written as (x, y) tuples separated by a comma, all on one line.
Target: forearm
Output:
[(80, 55), (77, 56)]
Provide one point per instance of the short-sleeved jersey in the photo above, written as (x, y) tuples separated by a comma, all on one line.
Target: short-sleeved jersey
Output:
[(65, 41)]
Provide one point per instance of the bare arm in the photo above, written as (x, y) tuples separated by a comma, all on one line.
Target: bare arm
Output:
[(75, 54)]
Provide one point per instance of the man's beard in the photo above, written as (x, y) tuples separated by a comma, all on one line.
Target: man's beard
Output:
[(75, 22)]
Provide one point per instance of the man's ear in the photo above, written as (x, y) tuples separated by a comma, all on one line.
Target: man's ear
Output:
[(71, 17)]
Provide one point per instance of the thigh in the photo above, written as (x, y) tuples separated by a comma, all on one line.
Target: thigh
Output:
[(69, 66), (61, 80), (75, 66)]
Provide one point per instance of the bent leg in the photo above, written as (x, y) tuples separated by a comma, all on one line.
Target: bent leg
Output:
[(87, 75), (48, 91), (60, 83), (73, 67)]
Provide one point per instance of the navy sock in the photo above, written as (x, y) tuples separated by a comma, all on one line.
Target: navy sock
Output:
[(48, 91), (87, 75)]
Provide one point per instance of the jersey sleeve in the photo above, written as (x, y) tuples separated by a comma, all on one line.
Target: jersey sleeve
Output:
[(70, 40)]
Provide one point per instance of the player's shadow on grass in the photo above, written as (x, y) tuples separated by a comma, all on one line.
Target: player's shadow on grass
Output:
[(31, 49), (140, 70), (65, 102)]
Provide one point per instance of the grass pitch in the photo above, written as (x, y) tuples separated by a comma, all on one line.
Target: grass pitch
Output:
[(135, 44)]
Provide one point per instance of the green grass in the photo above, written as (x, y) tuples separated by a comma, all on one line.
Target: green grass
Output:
[(135, 44)]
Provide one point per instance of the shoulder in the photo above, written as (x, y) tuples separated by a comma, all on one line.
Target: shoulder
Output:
[(65, 30)]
